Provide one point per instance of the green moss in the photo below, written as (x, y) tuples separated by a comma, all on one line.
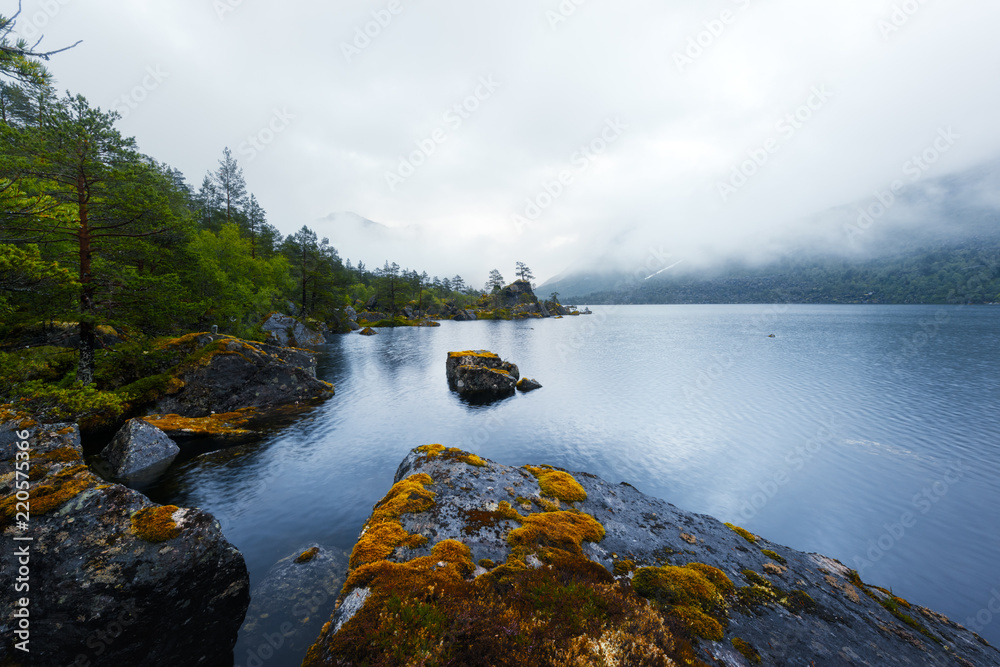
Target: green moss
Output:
[(695, 594), (774, 555), (742, 532), (155, 524), (748, 651), (558, 484), (623, 567)]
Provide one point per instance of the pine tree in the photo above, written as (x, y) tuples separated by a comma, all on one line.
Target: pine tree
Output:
[(495, 281), (230, 184), (524, 272), (91, 194)]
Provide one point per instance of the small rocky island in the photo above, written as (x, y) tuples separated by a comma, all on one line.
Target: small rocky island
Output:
[(483, 375), (469, 562)]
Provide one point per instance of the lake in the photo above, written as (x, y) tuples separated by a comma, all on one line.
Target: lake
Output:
[(870, 434)]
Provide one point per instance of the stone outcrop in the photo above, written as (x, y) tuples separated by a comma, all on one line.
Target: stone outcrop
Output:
[(220, 374), (518, 292), (287, 331), (368, 331), (481, 374), (527, 384), (290, 604), (114, 578), (137, 448), (466, 561)]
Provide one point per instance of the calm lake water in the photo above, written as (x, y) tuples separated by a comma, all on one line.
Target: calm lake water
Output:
[(870, 434)]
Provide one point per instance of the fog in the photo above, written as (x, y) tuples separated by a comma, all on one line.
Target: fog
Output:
[(555, 133)]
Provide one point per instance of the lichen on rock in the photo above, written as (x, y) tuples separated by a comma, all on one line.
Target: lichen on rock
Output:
[(608, 581)]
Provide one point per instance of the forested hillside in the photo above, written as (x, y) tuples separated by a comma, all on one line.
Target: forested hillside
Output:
[(968, 272)]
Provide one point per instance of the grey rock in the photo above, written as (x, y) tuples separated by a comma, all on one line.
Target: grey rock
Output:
[(137, 447), (408, 311), (527, 384), (351, 314), (353, 326), (846, 625), (241, 374), (481, 375), (286, 331), (101, 592)]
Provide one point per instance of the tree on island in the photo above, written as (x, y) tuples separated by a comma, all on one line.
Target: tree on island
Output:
[(495, 282), (524, 272), (555, 297)]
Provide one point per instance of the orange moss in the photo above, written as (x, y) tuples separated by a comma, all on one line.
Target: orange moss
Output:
[(155, 524), (383, 532), (65, 485), (482, 354), (558, 484), (307, 555), (742, 532), (61, 455), (562, 530), (434, 451), (225, 424)]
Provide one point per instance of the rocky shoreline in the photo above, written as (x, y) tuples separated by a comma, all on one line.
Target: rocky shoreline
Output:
[(466, 561)]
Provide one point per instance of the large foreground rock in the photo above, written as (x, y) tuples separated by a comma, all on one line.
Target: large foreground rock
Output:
[(114, 578), (287, 331), (137, 448), (221, 374), (481, 374), (466, 561)]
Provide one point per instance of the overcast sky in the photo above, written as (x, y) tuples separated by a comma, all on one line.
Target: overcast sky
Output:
[(667, 98)]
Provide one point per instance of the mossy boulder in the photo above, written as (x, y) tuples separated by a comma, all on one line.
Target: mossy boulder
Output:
[(115, 578), (220, 374), (493, 564), (139, 450), (480, 374), (287, 331)]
